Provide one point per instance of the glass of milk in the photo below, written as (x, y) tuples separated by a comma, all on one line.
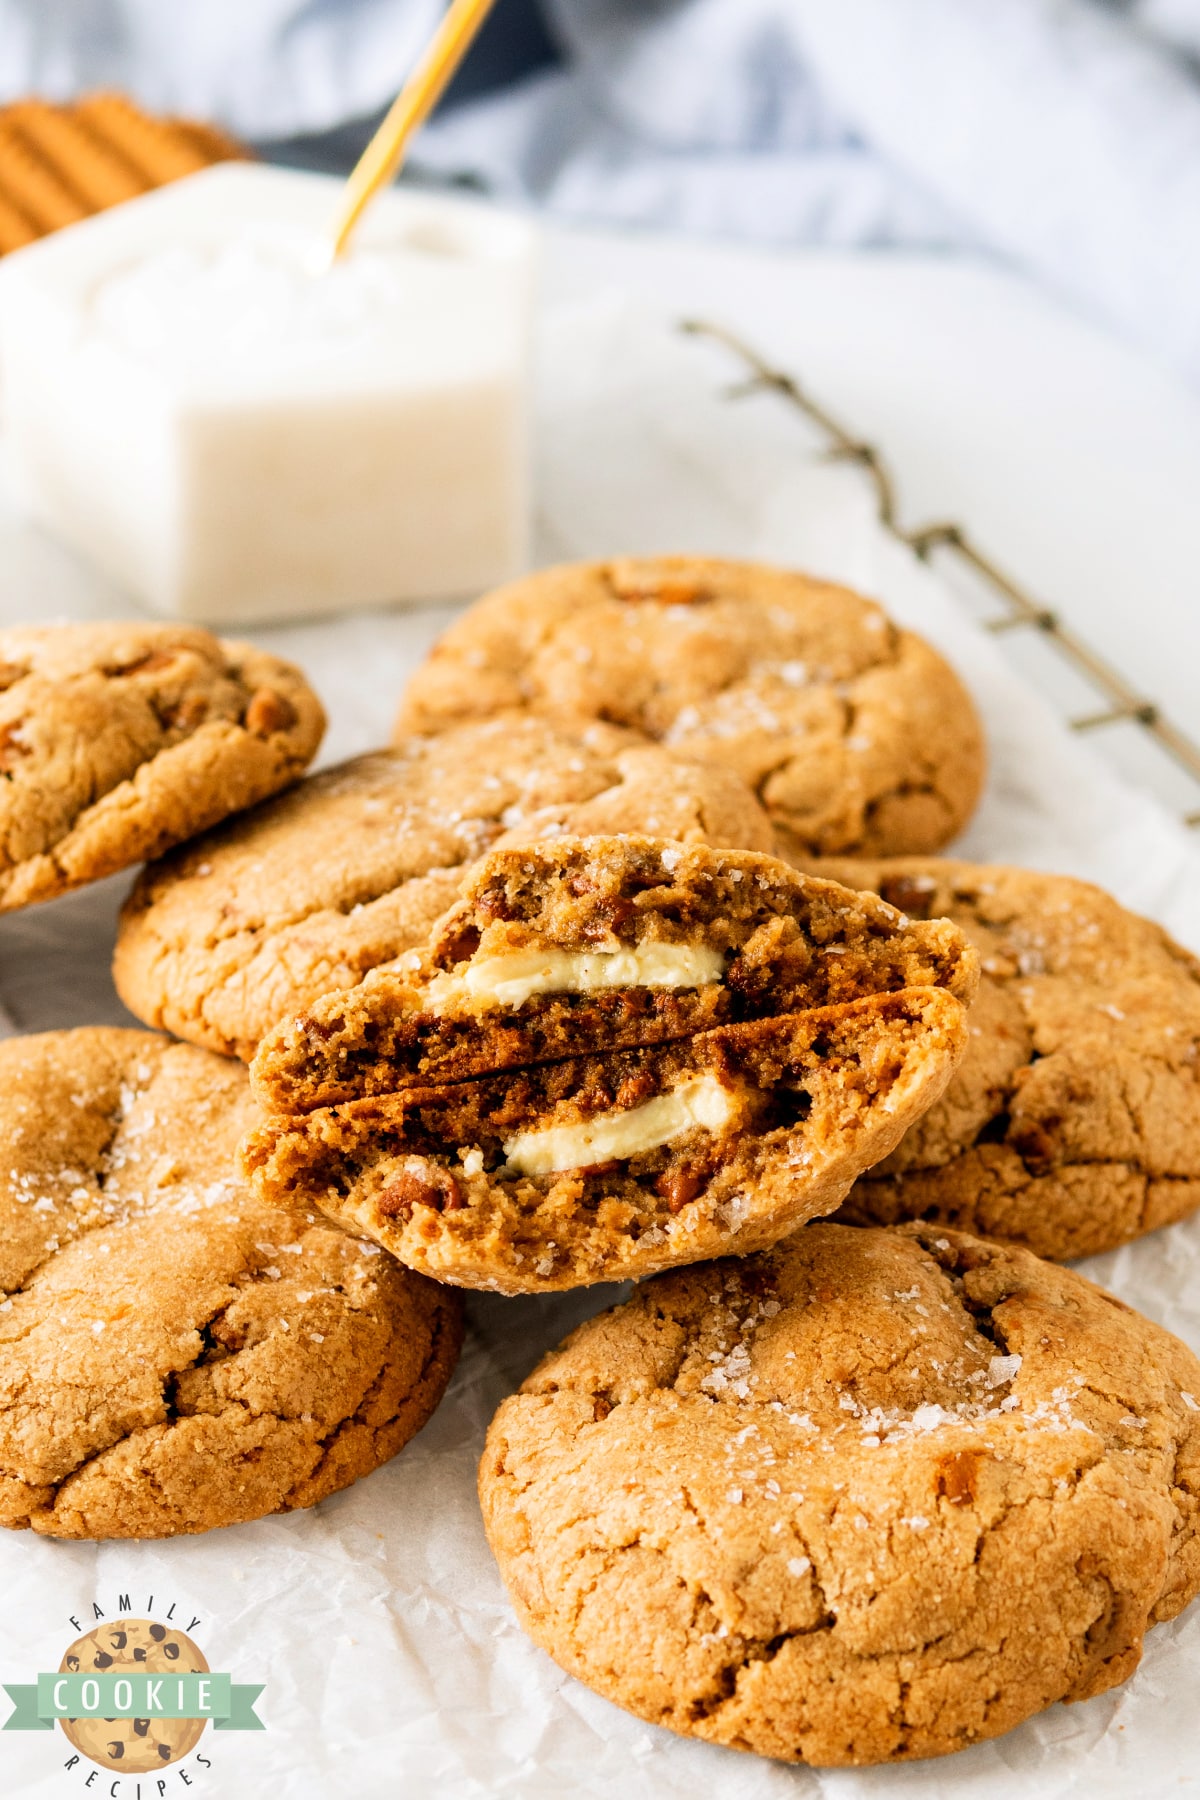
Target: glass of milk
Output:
[(236, 429)]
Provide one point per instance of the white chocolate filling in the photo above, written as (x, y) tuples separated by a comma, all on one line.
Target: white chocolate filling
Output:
[(514, 978), (608, 1137)]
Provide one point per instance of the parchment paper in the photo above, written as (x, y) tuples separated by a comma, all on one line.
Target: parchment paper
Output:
[(378, 1622)]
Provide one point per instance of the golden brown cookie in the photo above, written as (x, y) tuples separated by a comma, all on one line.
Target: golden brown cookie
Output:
[(579, 946), (59, 164), (120, 740), (856, 736), (256, 921), (874, 1496), (741, 1041), (1073, 1122), (174, 1353)]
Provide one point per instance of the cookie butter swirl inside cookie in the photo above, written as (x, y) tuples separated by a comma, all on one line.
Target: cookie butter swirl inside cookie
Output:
[(517, 976), (700, 1103)]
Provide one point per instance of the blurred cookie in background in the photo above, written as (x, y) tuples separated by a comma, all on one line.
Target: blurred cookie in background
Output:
[(60, 164)]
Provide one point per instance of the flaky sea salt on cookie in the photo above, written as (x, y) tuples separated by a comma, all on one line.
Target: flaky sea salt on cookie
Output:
[(855, 734), (1073, 1122), (577, 946), (176, 1354), (256, 921), (119, 740), (875, 1496)]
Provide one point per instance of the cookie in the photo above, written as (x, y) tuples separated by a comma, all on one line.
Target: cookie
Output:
[(1073, 1122), (855, 735), (582, 945), (120, 740), (60, 164), (874, 1496), (253, 923), (134, 1646), (814, 1030), (176, 1354)]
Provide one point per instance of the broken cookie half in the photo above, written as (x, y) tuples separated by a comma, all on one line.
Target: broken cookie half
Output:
[(566, 947), (690, 1052)]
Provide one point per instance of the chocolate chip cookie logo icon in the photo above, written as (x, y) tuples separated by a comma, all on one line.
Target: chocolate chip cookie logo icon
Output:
[(133, 1695)]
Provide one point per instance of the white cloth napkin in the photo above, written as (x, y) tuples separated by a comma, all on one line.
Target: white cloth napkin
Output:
[(392, 1662)]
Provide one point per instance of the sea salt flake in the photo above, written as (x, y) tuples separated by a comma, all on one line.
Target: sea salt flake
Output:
[(1002, 1369), (799, 1565)]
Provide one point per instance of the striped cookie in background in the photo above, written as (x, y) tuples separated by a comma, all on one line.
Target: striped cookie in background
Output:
[(60, 164)]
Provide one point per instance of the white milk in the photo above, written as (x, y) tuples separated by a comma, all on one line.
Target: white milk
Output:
[(234, 430)]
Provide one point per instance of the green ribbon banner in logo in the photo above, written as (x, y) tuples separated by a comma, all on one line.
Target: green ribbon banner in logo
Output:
[(117, 1695)]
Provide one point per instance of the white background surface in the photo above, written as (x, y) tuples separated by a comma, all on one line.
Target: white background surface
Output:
[(392, 1663)]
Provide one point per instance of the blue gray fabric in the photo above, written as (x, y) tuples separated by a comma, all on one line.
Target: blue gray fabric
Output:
[(1063, 135)]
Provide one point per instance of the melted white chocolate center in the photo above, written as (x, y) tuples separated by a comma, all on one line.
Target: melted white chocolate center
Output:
[(515, 977), (608, 1137)]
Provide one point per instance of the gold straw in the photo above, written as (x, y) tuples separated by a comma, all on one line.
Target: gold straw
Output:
[(418, 97)]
